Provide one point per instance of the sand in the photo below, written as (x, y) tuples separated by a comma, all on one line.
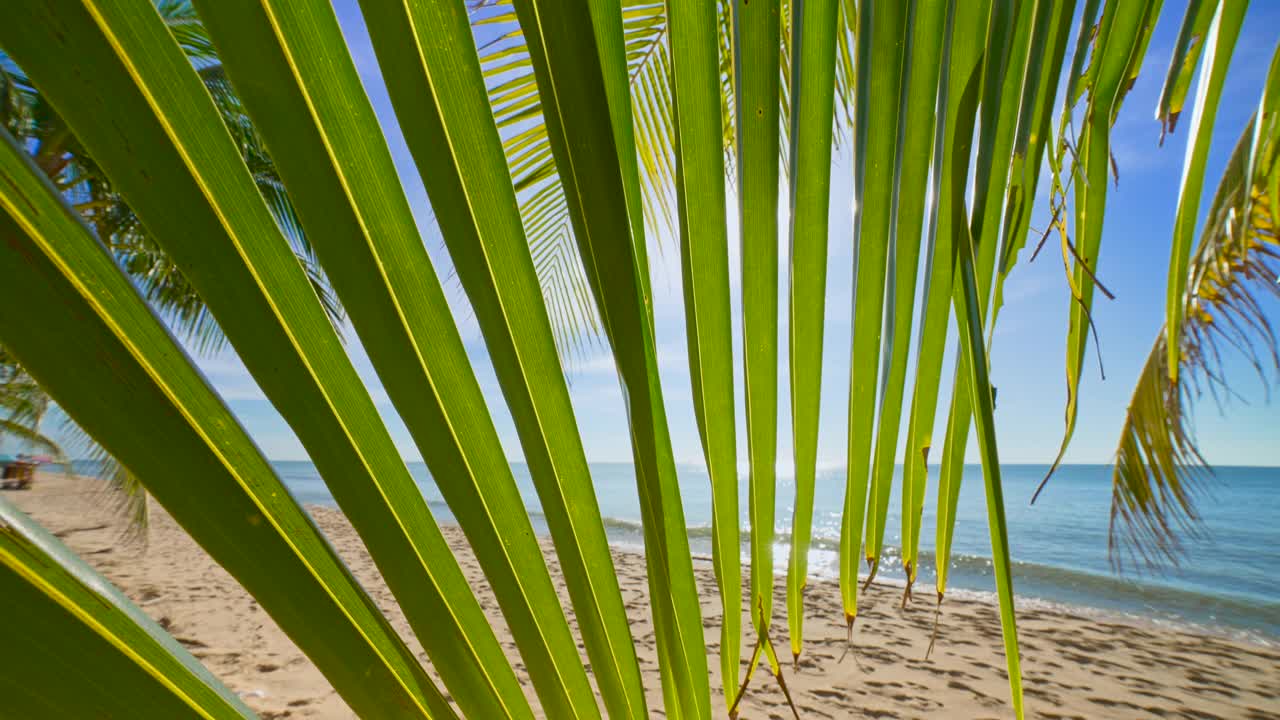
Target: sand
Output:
[(1074, 666)]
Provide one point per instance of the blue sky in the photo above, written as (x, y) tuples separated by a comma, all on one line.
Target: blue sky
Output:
[(1029, 348)]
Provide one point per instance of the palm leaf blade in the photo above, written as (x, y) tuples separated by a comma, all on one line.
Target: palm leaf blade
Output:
[(969, 319), (1183, 60), (881, 33), (958, 57), (756, 42), (704, 261), (916, 109), (814, 25), (968, 42), (1223, 32)]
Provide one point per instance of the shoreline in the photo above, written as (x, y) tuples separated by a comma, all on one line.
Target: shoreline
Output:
[(923, 595), (1219, 590), (1075, 663)]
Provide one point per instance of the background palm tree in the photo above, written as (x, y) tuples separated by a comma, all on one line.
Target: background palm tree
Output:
[(559, 133), (29, 118), (26, 405), (34, 123)]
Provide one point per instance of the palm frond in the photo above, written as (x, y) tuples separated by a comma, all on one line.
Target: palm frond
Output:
[(1159, 470)]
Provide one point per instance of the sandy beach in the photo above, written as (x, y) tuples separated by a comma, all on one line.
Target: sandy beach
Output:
[(1074, 666)]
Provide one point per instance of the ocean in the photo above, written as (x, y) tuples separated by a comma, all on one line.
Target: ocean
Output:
[(1225, 584)]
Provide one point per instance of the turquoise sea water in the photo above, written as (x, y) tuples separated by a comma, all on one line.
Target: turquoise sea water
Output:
[(1226, 583)]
